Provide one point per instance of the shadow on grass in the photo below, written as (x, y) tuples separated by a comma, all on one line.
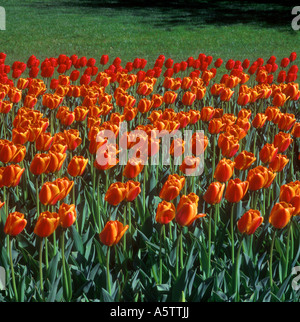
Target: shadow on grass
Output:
[(272, 14)]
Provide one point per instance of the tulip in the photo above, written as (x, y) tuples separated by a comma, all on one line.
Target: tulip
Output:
[(249, 222), (282, 141), (228, 145), (207, 113), (77, 166), (190, 165), (112, 232), (289, 190), (259, 120), (116, 193), (15, 223), (260, 177), (214, 193), (11, 175), (236, 190), (281, 214), (278, 163), (224, 170), (268, 153), (165, 212), (286, 121), (67, 215), (172, 187), (39, 164), (133, 189), (46, 224), (133, 168), (187, 210), (244, 160)]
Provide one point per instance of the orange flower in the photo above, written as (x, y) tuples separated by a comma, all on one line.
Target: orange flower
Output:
[(20, 135), (187, 210), (133, 168), (189, 165), (224, 170), (278, 163), (188, 98), (289, 190), (199, 143), (46, 224), (44, 141), (165, 212), (169, 97), (207, 113), (244, 160), (268, 153), (281, 214), (172, 187), (295, 202), (214, 193), (259, 120), (286, 121), (116, 193), (39, 164), (260, 177), (282, 141), (67, 215), (249, 222), (296, 130), (112, 232), (52, 192), (228, 144), (10, 176), (236, 190), (177, 147), (216, 125), (15, 223), (279, 99), (132, 190), (56, 161), (77, 166)]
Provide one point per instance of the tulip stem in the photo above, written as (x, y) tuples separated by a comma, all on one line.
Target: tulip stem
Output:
[(232, 233), (237, 268), (12, 269), (209, 242), (62, 241), (288, 248), (41, 268), (271, 259), (162, 232), (37, 196), (107, 271)]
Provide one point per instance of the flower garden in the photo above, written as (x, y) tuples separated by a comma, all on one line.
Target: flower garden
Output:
[(74, 229)]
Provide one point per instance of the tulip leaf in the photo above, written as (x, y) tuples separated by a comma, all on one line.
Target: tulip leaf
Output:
[(77, 240)]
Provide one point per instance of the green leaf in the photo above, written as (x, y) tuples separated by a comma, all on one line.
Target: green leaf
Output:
[(77, 240)]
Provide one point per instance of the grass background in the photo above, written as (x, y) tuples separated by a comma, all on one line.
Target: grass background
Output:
[(224, 29)]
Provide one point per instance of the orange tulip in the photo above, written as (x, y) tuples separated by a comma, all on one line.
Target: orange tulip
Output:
[(216, 125), (165, 212), (199, 143), (112, 232), (214, 193), (11, 175), (279, 163), (259, 120), (282, 141), (172, 187), (286, 121), (289, 190), (189, 165), (249, 222), (56, 161), (281, 214), (295, 202), (188, 98), (187, 210), (67, 215), (116, 193), (44, 141), (236, 190), (133, 168), (207, 113), (296, 130), (20, 135), (39, 164), (244, 160), (15, 223), (228, 144), (46, 224), (169, 97), (133, 189), (77, 166), (260, 177), (224, 170), (268, 153)]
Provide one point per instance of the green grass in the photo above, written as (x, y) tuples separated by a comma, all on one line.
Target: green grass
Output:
[(47, 29)]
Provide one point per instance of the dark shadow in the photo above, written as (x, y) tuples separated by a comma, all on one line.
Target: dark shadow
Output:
[(274, 14)]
